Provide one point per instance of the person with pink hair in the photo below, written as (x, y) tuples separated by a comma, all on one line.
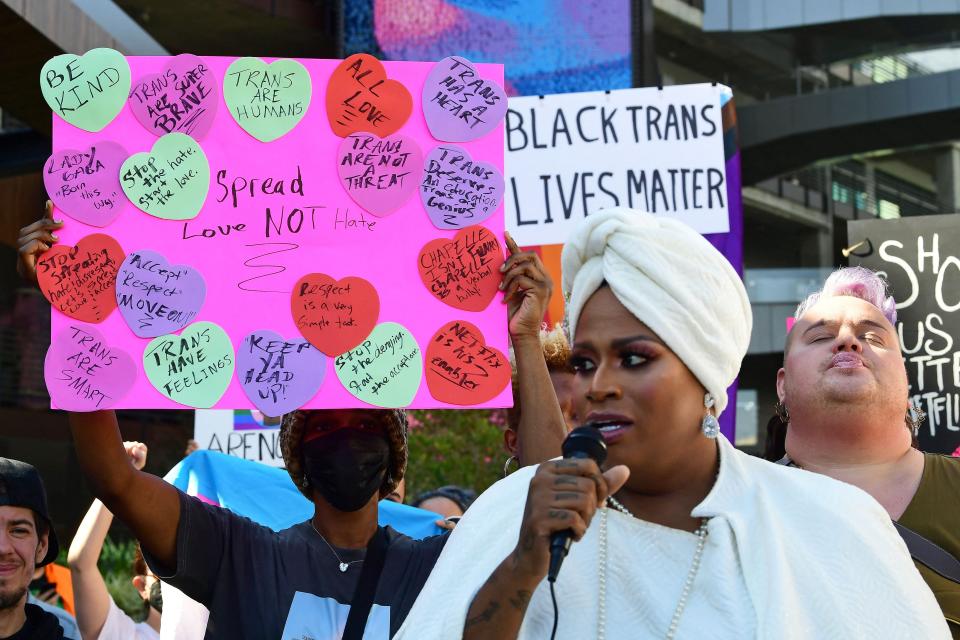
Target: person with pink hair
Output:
[(844, 401)]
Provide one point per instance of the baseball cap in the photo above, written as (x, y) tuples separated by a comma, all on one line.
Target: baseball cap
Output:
[(21, 486)]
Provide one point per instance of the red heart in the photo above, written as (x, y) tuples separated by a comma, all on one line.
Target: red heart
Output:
[(334, 315), (463, 272), (361, 98), (461, 369), (81, 281)]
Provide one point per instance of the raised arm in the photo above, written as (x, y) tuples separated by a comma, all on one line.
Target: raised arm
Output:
[(527, 288)]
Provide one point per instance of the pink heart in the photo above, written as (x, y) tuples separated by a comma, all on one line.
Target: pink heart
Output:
[(85, 183), (458, 192), (183, 98), (84, 373), (458, 104), (379, 174)]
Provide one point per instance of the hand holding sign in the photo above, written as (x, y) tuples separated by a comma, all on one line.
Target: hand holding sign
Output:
[(463, 272), (379, 174), (334, 315), (85, 184), (84, 373), (458, 104), (79, 281), (156, 297), (267, 100), (278, 375), (458, 192), (87, 91), (182, 98), (385, 369), (194, 368), (361, 98), (171, 180), (462, 369)]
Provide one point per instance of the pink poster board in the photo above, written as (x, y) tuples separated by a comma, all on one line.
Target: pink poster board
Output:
[(250, 272)]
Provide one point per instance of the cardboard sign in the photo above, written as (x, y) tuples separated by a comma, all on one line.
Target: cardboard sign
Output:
[(920, 256), (463, 272), (279, 375), (379, 173), (360, 97), (458, 192), (182, 98), (243, 434), (461, 368), (87, 91), (573, 154), (84, 373), (85, 183), (156, 297), (267, 101), (459, 104), (79, 281), (273, 213)]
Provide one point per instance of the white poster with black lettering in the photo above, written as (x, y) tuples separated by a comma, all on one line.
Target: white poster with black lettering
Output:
[(573, 154), (920, 257), (246, 434)]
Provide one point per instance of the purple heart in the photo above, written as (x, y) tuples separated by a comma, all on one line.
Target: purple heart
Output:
[(458, 192), (85, 183), (379, 174), (84, 373), (155, 297), (458, 104), (279, 375), (183, 98)]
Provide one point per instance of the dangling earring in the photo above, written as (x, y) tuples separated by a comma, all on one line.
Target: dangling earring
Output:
[(305, 483), (915, 417), (782, 412), (710, 425), (506, 465)]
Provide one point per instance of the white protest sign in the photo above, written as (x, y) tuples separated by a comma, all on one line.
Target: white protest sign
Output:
[(570, 155), (238, 433)]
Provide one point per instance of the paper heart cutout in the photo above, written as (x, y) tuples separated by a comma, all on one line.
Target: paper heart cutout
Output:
[(458, 104), (170, 181), (156, 297), (79, 281), (84, 373), (87, 91), (85, 184), (462, 369), (361, 98), (385, 369), (334, 315), (379, 174), (463, 272), (182, 98), (458, 192), (279, 375), (194, 368), (267, 100)]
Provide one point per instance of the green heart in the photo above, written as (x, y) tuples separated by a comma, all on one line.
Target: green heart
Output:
[(170, 181), (385, 370), (267, 100), (87, 91), (194, 368)]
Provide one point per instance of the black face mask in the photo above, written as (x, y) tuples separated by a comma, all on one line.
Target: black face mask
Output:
[(156, 600), (347, 466)]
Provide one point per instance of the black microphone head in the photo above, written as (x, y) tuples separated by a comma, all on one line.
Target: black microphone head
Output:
[(585, 442)]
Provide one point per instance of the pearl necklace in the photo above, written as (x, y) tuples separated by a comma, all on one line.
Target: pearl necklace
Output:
[(701, 534), (343, 565)]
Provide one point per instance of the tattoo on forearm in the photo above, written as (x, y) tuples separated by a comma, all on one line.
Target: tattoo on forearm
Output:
[(484, 616), (520, 600), (527, 543), (557, 514)]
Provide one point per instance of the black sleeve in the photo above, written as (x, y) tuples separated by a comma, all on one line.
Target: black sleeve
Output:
[(206, 538)]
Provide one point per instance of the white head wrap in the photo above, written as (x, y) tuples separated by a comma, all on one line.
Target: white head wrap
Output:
[(671, 279)]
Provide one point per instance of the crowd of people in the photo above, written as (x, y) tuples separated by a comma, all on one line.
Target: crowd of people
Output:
[(845, 531)]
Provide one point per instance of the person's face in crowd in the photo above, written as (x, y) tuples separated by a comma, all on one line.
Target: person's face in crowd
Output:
[(21, 548), (399, 493), (842, 352), (563, 385), (443, 506), (647, 403)]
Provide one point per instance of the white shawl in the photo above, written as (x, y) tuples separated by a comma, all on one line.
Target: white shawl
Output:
[(820, 559)]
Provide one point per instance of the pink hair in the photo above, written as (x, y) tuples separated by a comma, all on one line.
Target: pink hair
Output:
[(857, 282)]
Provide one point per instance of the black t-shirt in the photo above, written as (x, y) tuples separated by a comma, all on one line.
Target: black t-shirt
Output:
[(260, 584), (40, 625)]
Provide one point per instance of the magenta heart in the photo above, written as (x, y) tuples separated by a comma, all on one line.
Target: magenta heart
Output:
[(183, 98), (84, 373), (379, 173), (458, 104), (458, 192), (85, 183), (155, 297), (279, 375)]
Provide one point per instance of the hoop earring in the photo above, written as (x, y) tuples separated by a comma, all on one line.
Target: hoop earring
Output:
[(915, 417), (782, 413), (710, 426), (506, 465)]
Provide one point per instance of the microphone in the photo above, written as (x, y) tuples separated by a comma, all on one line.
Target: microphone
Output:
[(583, 442)]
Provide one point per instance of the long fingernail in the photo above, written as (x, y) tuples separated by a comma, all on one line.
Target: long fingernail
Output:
[(503, 267), (55, 221), (54, 236)]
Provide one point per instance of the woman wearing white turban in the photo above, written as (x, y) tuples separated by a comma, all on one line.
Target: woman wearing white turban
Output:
[(694, 538)]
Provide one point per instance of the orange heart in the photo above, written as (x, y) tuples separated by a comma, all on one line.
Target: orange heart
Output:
[(463, 272), (80, 281), (461, 369), (361, 98), (334, 315)]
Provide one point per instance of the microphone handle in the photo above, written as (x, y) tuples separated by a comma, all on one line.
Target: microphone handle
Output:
[(560, 541)]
